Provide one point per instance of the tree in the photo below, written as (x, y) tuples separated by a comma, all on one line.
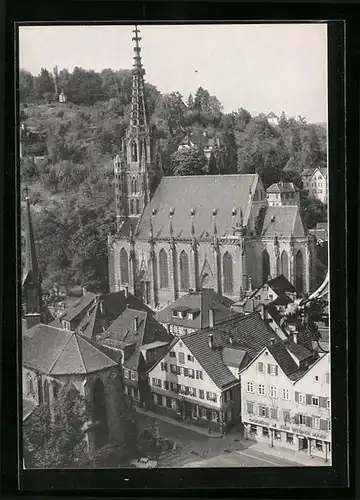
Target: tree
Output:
[(26, 85), (43, 84), (57, 440), (312, 210), (86, 87), (188, 161)]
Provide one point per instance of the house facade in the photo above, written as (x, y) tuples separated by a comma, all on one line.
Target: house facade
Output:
[(317, 184), (280, 404)]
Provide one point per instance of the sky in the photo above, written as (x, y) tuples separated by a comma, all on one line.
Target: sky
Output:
[(259, 67)]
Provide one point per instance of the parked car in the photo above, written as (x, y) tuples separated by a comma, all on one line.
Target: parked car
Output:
[(143, 463)]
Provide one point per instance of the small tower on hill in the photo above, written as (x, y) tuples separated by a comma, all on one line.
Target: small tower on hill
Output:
[(137, 161)]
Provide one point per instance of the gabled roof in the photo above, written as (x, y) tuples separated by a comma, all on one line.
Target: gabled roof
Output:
[(233, 357), (203, 301), (248, 333), (228, 192), (320, 358), (123, 329), (282, 187), (55, 351), (280, 285), (96, 312), (283, 222)]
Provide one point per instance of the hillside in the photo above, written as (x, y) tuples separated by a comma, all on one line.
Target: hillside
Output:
[(68, 151)]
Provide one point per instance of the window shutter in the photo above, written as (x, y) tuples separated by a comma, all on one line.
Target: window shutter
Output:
[(273, 413), (268, 368), (308, 421), (297, 418), (260, 413), (276, 370), (267, 412), (186, 372), (322, 402), (296, 397), (323, 425), (308, 399), (260, 366), (286, 415)]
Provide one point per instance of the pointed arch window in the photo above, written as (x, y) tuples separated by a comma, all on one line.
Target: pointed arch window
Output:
[(184, 272), (124, 266), (228, 273), (46, 392), (30, 385), (284, 265), (134, 188), (134, 151), (299, 272), (265, 266), (137, 204), (132, 207), (163, 269)]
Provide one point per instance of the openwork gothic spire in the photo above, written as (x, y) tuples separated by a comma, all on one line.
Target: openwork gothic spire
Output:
[(31, 263), (138, 118)]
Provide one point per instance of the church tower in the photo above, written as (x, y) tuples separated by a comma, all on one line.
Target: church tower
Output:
[(31, 278), (134, 166)]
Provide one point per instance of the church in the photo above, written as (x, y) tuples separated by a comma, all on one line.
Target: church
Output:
[(177, 234)]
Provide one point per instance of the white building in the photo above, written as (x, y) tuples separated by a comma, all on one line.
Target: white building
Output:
[(285, 398), (317, 184)]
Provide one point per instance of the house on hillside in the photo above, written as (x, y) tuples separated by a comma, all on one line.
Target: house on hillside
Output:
[(285, 397), (198, 377), (277, 291), (194, 311), (200, 141), (53, 357), (283, 194), (316, 183), (141, 341), (273, 119)]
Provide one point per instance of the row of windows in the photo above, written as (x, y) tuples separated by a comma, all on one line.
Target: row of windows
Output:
[(270, 369), (180, 370), (184, 266), (302, 398), (264, 411), (197, 411), (181, 357), (183, 389), (130, 374)]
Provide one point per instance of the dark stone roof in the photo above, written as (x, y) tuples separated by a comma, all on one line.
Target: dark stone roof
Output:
[(184, 193), (280, 284), (249, 333), (297, 350), (122, 331), (130, 222), (283, 222), (56, 351), (282, 187), (202, 301), (285, 361)]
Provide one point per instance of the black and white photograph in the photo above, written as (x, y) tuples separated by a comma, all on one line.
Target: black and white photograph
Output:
[(175, 261)]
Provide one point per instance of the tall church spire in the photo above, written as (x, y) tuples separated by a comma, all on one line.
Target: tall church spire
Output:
[(31, 278), (137, 162)]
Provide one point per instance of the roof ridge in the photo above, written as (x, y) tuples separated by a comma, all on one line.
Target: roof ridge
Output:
[(80, 353), (215, 176), (96, 347), (61, 351)]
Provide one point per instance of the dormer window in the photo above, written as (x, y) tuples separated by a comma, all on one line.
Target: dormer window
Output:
[(175, 314)]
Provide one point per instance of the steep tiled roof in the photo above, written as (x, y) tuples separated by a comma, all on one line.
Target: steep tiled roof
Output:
[(129, 223), (282, 187), (227, 192), (123, 330), (249, 333), (285, 361), (55, 351), (283, 221), (203, 301), (79, 307), (233, 357), (297, 350)]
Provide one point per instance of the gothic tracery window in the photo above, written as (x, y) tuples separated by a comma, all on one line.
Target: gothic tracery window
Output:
[(228, 273), (133, 186), (46, 392), (30, 385), (265, 266), (184, 272), (299, 271), (134, 151), (124, 266), (285, 264), (163, 269)]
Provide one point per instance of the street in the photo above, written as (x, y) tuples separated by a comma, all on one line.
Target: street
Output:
[(198, 450)]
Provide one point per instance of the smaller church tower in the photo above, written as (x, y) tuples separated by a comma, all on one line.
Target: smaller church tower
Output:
[(31, 277), (137, 161)]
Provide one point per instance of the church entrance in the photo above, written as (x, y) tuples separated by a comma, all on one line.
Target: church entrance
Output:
[(100, 414)]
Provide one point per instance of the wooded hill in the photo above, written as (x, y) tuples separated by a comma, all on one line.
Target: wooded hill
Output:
[(69, 148)]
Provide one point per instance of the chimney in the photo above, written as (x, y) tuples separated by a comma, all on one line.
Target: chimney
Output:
[(136, 324), (126, 290), (102, 308), (211, 340), (84, 290), (272, 341), (295, 337), (32, 319), (211, 318)]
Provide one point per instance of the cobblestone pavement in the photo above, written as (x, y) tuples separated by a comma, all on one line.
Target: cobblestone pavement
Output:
[(198, 450)]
